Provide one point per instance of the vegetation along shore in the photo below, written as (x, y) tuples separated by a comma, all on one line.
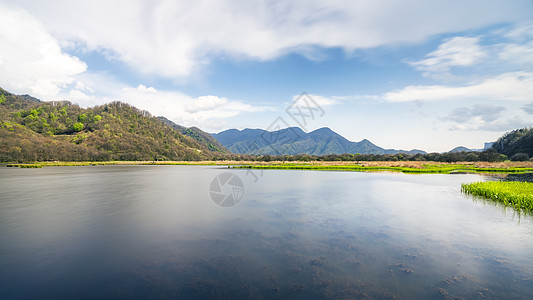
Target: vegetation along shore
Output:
[(373, 166), (518, 195)]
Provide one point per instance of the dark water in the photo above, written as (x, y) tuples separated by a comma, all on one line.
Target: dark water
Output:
[(519, 177), (153, 232)]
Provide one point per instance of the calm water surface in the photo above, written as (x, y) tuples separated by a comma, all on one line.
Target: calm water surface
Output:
[(153, 232)]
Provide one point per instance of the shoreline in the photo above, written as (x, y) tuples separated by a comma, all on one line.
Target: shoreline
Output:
[(360, 166)]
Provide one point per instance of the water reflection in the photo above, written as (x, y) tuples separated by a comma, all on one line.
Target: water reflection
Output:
[(153, 232), (519, 177)]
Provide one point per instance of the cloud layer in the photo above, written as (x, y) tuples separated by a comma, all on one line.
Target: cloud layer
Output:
[(173, 38), (31, 60), (455, 52), (509, 86)]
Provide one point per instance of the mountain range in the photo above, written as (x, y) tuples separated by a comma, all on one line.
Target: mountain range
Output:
[(293, 140), (33, 130)]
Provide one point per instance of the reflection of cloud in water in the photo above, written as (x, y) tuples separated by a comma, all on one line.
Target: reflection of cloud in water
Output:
[(415, 238), (297, 235)]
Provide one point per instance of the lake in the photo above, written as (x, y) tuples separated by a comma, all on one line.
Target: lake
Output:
[(158, 232)]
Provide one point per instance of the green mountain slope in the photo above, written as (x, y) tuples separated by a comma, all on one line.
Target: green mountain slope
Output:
[(36, 131), (197, 134)]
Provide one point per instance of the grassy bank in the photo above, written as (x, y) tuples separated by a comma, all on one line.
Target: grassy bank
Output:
[(374, 166), (420, 169), (518, 195)]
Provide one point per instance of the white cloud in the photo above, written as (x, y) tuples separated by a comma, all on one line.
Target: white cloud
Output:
[(31, 59), (509, 86), (206, 103), (502, 50), (173, 38), (78, 96), (518, 54), (80, 86), (203, 111), (455, 52), (143, 88), (522, 32)]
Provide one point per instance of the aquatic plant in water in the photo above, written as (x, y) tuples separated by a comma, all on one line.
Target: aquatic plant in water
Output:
[(518, 195)]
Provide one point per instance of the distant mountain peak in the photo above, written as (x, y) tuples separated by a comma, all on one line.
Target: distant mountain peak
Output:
[(323, 129), (293, 140), (463, 149)]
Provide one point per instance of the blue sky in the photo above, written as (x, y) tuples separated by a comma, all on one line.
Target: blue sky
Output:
[(405, 74)]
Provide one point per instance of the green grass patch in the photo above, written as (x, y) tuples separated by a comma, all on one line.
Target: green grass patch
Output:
[(426, 169), (518, 195)]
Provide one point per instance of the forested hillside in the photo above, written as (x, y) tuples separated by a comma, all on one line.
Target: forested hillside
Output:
[(197, 134), (31, 130), (517, 144)]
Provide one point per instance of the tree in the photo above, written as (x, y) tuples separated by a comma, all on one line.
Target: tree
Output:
[(520, 157), (82, 118), (77, 126), (472, 157), (489, 155)]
